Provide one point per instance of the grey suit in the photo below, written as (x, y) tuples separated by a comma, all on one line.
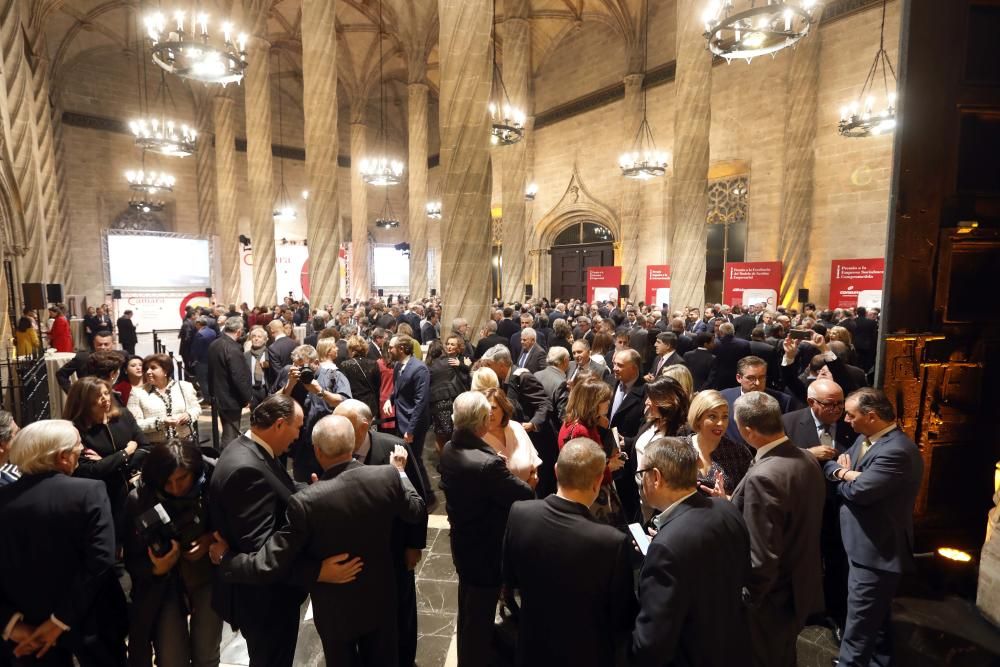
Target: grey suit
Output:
[(554, 381), (534, 361), (598, 369), (781, 498)]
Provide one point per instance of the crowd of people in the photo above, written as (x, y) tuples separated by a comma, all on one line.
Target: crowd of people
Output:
[(733, 462)]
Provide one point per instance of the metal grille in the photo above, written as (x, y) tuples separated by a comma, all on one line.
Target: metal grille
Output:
[(728, 200)]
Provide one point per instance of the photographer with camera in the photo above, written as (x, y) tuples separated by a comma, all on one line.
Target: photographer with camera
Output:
[(318, 389), (165, 556)]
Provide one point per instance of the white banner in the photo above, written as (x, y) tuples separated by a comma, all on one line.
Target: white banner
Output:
[(159, 310)]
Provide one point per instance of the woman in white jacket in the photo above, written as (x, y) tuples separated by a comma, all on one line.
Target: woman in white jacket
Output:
[(163, 407)]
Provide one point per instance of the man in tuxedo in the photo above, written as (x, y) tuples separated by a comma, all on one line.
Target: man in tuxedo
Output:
[(229, 378), (701, 362), (877, 482), (728, 351), (583, 361), (345, 519), (751, 375), (781, 498), (532, 357), (488, 338), (665, 347), (562, 595), (103, 340), (628, 405), (279, 353), (411, 398), (691, 609), (126, 332), (249, 493)]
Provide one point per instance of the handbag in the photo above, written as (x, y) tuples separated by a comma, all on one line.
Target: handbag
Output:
[(192, 437)]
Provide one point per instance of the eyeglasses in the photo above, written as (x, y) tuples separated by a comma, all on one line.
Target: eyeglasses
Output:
[(828, 405), (642, 471)]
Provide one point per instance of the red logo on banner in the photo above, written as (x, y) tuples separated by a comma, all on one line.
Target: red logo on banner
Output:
[(748, 283), (304, 278), (195, 299), (856, 282), (603, 282), (657, 285)]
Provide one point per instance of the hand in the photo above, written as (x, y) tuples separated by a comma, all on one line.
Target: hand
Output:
[(313, 478), (528, 427), (163, 564), (823, 452), (453, 361), (718, 490), (819, 341), (264, 363), (314, 387), (387, 408), (21, 631), (648, 377), (293, 377), (199, 548), (412, 558), (408, 438), (40, 641), (615, 462), (131, 447), (844, 460), (218, 548), (399, 456), (533, 478), (338, 570), (91, 455), (183, 418), (791, 348)]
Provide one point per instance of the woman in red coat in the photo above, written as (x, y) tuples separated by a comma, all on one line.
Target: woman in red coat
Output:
[(59, 335)]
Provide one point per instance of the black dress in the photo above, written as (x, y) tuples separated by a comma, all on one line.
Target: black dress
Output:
[(447, 382), (365, 379)]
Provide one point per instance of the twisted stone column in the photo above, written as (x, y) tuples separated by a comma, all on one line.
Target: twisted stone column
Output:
[(227, 220), (631, 194), (517, 78), (795, 225), (205, 164), (60, 258), (361, 279), (466, 75), (46, 157), (417, 180), (260, 171), (689, 194), (319, 71)]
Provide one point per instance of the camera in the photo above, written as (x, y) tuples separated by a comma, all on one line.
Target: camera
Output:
[(306, 375), (157, 528)]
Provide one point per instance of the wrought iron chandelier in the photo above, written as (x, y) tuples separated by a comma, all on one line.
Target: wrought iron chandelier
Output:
[(643, 160), (155, 132), (381, 169), (434, 210), (387, 218), (506, 120), (861, 118), (145, 204), (149, 181), (750, 28), (283, 209), (183, 45)]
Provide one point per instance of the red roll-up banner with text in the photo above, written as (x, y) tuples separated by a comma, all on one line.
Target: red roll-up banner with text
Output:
[(856, 282), (748, 283), (603, 282), (657, 285)]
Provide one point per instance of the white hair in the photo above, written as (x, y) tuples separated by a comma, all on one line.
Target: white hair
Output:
[(37, 446), (334, 436), (484, 378), (529, 332), (556, 355), (353, 409), (498, 354), (470, 411)]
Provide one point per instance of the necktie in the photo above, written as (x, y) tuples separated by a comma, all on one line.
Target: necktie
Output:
[(619, 397), (825, 437), (865, 446), (524, 357)]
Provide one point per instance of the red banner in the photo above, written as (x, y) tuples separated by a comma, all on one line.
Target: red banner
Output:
[(748, 283), (856, 282), (657, 285), (603, 282)]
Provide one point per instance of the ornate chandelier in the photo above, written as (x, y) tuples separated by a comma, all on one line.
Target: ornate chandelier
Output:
[(643, 160), (386, 218), (750, 28), (861, 118), (164, 137), (506, 120), (149, 181), (381, 169), (434, 210), (184, 46), (145, 204)]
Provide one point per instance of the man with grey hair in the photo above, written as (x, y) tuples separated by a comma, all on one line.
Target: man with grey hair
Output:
[(479, 490), (460, 328), (532, 356), (362, 502), (563, 595), (229, 380), (781, 498), (488, 338)]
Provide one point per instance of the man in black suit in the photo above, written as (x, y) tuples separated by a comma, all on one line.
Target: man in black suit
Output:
[(279, 353), (249, 495), (527, 320), (345, 519), (428, 330), (408, 539), (701, 362), (665, 347), (769, 353), (59, 596), (781, 498), (743, 322), (562, 595), (728, 351), (692, 578), (532, 357), (488, 338), (411, 398), (507, 327), (877, 482), (375, 343), (865, 338), (628, 406), (103, 340), (685, 341), (751, 376), (553, 378), (127, 337), (229, 378)]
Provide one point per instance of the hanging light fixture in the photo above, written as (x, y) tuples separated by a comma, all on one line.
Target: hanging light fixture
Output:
[(434, 210), (506, 120), (381, 169), (861, 118), (387, 218), (146, 204), (155, 132), (183, 45), (531, 191), (283, 209), (643, 160), (750, 28)]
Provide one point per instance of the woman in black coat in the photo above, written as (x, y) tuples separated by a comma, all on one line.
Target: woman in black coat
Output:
[(362, 373), (114, 446), (450, 376)]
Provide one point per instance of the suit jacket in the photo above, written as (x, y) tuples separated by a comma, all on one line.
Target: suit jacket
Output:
[(876, 513), (702, 365), (865, 334), (535, 361), (228, 375), (488, 342), (786, 402), (629, 416), (507, 328), (249, 494), (427, 332), (685, 343), (553, 381), (413, 320), (279, 355), (531, 403), (598, 369), (671, 359), (374, 353), (515, 343), (781, 498), (801, 430), (350, 510), (563, 595), (478, 490), (126, 332), (728, 351), (690, 589), (744, 325), (78, 365), (411, 396)]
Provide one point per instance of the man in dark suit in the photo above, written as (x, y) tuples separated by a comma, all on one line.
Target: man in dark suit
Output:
[(532, 357), (127, 337), (751, 375), (665, 347), (769, 353), (692, 579), (375, 343), (411, 398), (103, 340), (361, 503), (743, 322), (728, 351), (527, 320), (628, 406), (507, 327), (250, 490), (562, 595), (58, 592), (583, 361), (781, 498), (488, 338), (428, 330), (701, 362), (685, 341), (229, 378), (877, 482), (279, 353), (865, 338), (553, 378)]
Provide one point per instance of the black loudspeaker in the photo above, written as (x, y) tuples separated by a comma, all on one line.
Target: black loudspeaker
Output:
[(803, 295), (208, 292), (529, 290), (623, 291), (116, 294), (381, 292), (34, 295), (434, 292), (54, 292)]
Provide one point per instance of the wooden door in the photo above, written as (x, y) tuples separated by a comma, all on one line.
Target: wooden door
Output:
[(569, 265)]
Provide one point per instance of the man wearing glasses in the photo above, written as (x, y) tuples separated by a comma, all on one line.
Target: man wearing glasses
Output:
[(751, 374)]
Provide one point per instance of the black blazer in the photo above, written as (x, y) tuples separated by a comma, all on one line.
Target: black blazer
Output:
[(531, 404), (478, 490), (361, 502), (249, 494), (427, 332), (744, 325), (365, 379), (507, 328), (78, 365), (488, 342), (279, 355), (563, 595), (728, 351), (801, 430), (786, 402), (702, 365), (629, 417), (374, 353), (690, 589), (228, 375), (126, 332)]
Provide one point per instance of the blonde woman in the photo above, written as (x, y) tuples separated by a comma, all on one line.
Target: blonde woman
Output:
[(722, 463)]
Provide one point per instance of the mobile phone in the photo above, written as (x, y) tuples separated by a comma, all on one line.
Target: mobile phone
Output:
[(800, 334), (640, 537)]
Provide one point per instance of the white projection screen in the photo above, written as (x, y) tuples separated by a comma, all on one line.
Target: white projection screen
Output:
[(392, 267), (158, 262)]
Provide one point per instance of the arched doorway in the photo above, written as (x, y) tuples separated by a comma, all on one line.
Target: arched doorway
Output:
[(576, 248)]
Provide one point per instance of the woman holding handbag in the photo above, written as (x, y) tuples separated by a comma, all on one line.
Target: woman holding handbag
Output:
[(164, 408)]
